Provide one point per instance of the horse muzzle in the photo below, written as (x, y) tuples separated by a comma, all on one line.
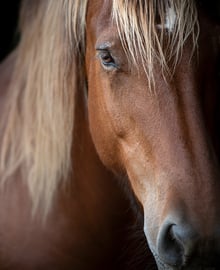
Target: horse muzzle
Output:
[(180, 246)]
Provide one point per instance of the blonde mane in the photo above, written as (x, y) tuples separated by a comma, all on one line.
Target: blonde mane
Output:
[(142, 29), (39, 115), (38, 135)]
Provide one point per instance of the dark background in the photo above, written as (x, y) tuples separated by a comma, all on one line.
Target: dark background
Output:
[(8, 26)]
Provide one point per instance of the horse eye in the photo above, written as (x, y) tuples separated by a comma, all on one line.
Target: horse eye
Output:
[(107, 59)]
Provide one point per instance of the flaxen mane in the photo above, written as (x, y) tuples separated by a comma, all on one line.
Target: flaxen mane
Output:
[(143, 31), (39, 114)]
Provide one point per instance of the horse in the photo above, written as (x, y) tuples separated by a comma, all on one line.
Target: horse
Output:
[(109, 154)]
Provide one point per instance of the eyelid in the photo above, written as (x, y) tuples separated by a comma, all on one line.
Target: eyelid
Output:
[(106, 46)]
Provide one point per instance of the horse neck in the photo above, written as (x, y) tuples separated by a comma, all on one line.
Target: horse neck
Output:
[(6, 68), (88, 170)]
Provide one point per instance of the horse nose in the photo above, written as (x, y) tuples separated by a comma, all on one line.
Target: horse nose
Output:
[(176, 243)]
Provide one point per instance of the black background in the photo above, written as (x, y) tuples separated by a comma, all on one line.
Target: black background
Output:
[(8, 26)]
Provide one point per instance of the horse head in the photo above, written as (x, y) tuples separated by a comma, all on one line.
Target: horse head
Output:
[(146, 81)]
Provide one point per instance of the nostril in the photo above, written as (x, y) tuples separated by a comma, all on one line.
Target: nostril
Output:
[(186, 237), (176, 243), (170, 249), (180, 246)]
